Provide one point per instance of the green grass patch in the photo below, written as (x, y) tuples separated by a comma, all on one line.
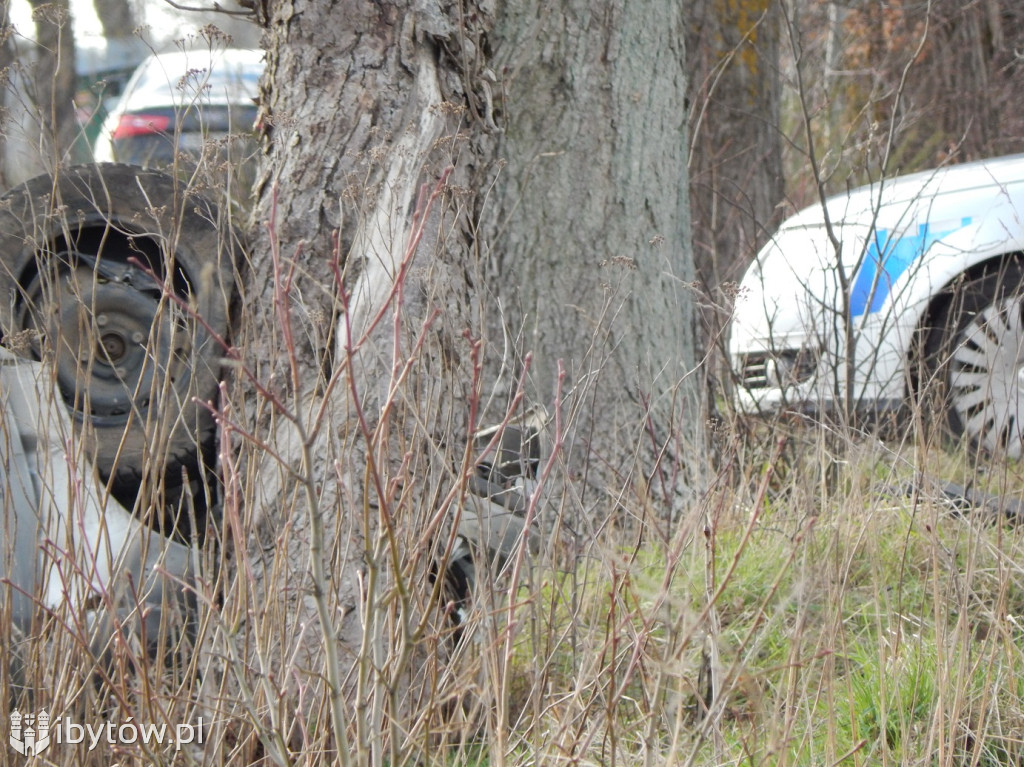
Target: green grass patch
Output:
[(864, 625)]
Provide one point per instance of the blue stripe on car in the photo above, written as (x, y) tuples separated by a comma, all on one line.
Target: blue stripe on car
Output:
[(893, 257)]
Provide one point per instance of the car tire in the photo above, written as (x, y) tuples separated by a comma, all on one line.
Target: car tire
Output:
[(123, 280), (975, 361)]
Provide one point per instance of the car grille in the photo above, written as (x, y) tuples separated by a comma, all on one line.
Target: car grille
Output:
[(785, 367), (753, 371)]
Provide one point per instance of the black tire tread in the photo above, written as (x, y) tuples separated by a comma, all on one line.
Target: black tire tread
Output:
[(146, 204)]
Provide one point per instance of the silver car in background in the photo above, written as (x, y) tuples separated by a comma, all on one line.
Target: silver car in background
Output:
[(183, 104)]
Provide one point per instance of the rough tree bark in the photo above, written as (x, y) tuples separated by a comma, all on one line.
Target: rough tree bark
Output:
[(553, 268), (566, 130)]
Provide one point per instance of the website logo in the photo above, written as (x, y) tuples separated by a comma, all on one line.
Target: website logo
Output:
[(30, 733)]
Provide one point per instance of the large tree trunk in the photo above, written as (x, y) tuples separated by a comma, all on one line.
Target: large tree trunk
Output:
[(54, 80), (584, 227), (117, 18), (551, 268)]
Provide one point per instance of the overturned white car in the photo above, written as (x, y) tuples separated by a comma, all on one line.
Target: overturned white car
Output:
[(908, 289), (116, 291)]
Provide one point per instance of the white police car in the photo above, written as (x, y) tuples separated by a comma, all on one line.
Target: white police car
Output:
[(908, 289)]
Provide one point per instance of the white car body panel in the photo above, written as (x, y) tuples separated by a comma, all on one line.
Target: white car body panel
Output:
[(902, 241), (63, 541)]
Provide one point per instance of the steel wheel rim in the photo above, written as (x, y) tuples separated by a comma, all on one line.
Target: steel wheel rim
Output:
[(113, 340), (986, 378)]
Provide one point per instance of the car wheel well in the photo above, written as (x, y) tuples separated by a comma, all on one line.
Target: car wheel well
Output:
[(936, 309)]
